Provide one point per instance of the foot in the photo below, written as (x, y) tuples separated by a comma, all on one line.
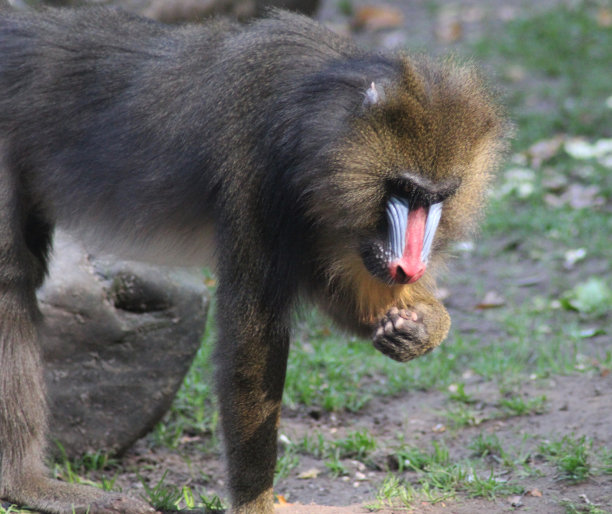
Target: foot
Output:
[(53, 496)]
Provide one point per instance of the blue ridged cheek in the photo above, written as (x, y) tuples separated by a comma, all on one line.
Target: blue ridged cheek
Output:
[(431, 225), (397, 216)]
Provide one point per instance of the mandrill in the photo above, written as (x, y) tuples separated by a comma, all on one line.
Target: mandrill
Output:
[(314, 169)]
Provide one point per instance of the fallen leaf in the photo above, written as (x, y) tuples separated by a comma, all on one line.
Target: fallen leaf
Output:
[(520, 181), (543, 150), (507, 13), (604, 17), (442, 293), (580, 148), (310, 473), (472, 14), (516, 501), (516, 72), (577, 196), (282, 438), (536, 493), (591, 332), (553, 181), (377, 17), (449, 30), (573, 256), (491, 300), (282, 502)]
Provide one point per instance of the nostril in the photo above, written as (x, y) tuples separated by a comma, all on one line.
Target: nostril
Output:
[(399, 275), (405, 274)]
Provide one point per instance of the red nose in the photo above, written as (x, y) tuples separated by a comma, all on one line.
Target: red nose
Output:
[(406, 273)]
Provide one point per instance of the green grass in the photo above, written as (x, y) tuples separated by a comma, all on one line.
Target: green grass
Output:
[(169, 497), (519, 406), (565, 57), (571, 456), (584, 508), (436, 477)]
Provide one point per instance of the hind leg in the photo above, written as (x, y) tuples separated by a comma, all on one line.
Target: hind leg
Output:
[(24, 241)]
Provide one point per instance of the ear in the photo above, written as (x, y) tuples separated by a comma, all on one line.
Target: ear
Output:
[(373, 95)]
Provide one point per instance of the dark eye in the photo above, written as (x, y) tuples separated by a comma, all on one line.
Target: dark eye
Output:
[(420, 190)]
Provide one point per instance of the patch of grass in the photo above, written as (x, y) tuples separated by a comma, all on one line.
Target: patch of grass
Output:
[(490, 486), (414, 458), (94, 462), (286, 462), (565, 57), (488, 448), (461, 417), (519, 406), (13, 509), (488, 445), (605, 460), (334, 464), (162, 496), (212, 503), (356, 445), (571, 457), (394, 493), (585, 508), (591, 298), (314, 445), (169, 497), (345, 7), (194, 410), (438, 477), (457, 394), (75, 471)]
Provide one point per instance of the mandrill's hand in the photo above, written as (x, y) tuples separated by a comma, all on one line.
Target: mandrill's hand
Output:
[(403, 335)]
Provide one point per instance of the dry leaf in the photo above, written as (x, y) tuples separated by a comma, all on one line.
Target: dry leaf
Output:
[(543, 150), (282, 502), (554, 182), (579, 196), (491, 300), (604, 17), (579, 148), (377, 17), (573, 256), (516, 72), (449, 30), (516, 501), (309, 473), (442, 293), (536, 493)]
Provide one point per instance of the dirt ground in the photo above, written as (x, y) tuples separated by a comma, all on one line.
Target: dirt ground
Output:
[(578, 404)]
